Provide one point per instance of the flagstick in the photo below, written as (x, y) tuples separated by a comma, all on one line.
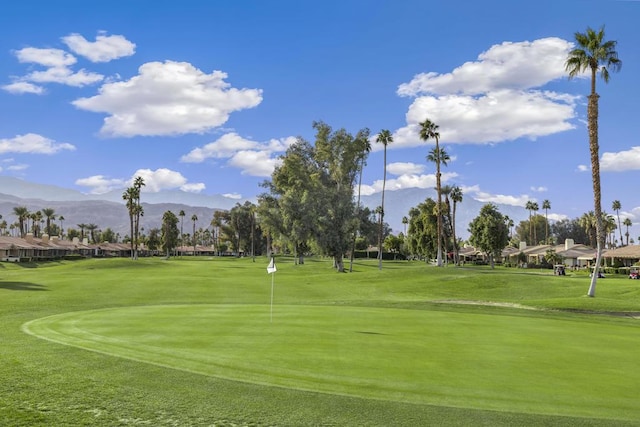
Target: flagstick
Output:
[(272, 276)]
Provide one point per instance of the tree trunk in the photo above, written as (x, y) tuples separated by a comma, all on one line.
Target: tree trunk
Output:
[(337, 260), (592, 113), (438, 206)]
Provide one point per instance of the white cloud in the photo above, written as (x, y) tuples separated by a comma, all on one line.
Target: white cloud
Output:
[(499, 116), (252, 157), (57, 63), (19, 167), (225, 146), (55, 58), (539, 189), (234, 196), (407, 181), (494, 98), (621, 161), (104, 49), (154, 181), (64, 75), (583, 168), (557, 217), (254, 163), (193, 188), (162, 179), (518, 66), (501, 198), (19, 87), (99, 184), (402, 168), (32, 143), (168, 98)]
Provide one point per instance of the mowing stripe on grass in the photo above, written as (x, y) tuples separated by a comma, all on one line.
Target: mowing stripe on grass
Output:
[(515, 363)]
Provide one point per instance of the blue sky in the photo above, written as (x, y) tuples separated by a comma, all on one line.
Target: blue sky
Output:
[(203, 96)]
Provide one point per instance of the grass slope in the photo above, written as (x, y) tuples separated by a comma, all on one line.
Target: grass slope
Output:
[(367, 348)]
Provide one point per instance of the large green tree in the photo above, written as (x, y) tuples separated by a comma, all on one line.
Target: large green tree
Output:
[(594, 54), (314, 187), (384, 138), (423, 230), (489, 232), (170, 232), (429, 130)]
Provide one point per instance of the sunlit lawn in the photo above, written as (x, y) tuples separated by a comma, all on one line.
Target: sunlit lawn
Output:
[(197, 342)]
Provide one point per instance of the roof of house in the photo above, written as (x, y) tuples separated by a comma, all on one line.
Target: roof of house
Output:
[(632, 251)]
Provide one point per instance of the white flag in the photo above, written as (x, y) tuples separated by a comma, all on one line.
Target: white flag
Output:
[(271, 268)]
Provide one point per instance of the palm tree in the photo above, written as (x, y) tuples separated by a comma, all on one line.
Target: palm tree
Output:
[(535, 208), (181, 214), (49, 214), (365, 148), (598, 56), (616, 206), (82, 227), (429, 130), (61, 219), (546, 205), (588, 223), (22, 214), (405, 221), (609, 226), (194, 218), (440, 157), (627, 222), (91, 228), (385, 138), (529, 206)]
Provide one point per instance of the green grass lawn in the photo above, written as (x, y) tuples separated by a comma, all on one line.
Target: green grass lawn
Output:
[(195, 342)]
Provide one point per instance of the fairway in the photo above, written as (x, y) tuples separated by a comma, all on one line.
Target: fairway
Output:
[(473, 360)]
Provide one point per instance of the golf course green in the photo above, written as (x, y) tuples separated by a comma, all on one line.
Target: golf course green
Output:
[(453, 346)]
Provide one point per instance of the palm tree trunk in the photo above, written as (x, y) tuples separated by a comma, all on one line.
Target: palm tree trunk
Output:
[(592, 114), (355, 232), (439, 206), (384, 182)]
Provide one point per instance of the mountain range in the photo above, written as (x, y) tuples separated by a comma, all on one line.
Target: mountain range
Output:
[(108, 210)]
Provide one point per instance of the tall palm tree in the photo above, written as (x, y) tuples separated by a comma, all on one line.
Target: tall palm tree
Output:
[(61, 219), (616, 206), (91, 228), (385, 138), (588, 222), (82, 227), (429, 130), (49, 214), (405, 221), (456, 197), (446, 192), (595, 54), (535, 208), (365, 148), (194, 218), (609, 226), (440, 157), (181, 214), (627, 222), (529, 206), (546, 205), (22, 214)]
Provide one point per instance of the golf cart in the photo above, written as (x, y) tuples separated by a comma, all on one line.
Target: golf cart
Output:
[(559, 270), (634, 273), (600, 273)]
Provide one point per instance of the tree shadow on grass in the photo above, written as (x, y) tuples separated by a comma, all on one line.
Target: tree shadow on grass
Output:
[(22, 286)]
